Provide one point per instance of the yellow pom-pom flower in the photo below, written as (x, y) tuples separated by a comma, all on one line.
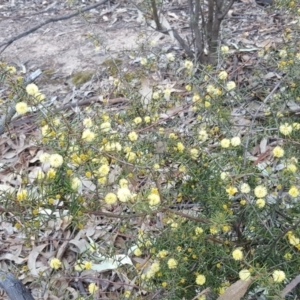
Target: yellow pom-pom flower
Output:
[(32, 89), (110, 198), (55, 263), (21, 108), (237, 254), (172, 263), (278, 276), (200, 279)]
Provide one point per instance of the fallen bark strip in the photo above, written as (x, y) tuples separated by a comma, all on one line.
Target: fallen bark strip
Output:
[(13, 287), (52, 20)]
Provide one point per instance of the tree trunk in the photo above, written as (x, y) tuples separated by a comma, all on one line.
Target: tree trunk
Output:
[(13, 287)]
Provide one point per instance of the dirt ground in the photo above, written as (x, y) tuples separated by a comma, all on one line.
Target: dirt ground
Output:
[(65, 46), (68, 46)]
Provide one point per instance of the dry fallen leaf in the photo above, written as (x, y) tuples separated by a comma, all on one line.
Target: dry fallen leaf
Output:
[(290, 286), (236, 291), (32, 259), (146, 92)]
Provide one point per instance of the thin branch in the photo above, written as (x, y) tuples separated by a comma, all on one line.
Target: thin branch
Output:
[(154, 212), (222, 16), (255, 116), (6, 119), (182, 43), (52, 20), (155, 15)]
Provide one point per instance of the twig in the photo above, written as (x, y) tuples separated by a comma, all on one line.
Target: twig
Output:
[(290, 286), (255, 116), (84, 102), (52, 20), (5, 119), (279, 238), (226, 10), (133, 215), (204, 292), (155, 15)]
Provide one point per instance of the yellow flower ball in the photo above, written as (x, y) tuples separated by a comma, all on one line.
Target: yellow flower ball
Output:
[(196, 98), (200, 279), (207, 104), (202, 135), (131, 156), (105, 127), (223, 75), (245, 275), (137, 252), (180, 147), (87, 122), (230, 85), (153, 199), (56, 160), (167, 92), (133, 136), (188, 87), (51, 173), (103, 170), (124, 194), (188, 64), (55, 263), (44, 157), (294, 192), (260, 191), (278, 276), (155, 95), (293, 240), (278, 152), (147, 119), (39, 97), (144, 61), (92, 288), (260, 203), (162, 253), (285, 129), (170, 57), (75, 183), (137, 120), (32, 89), (22, 195), (198, 230), (172, 263), (231, 190), (123, 182), (282, 53), (237, 254), (235, 141), (194, 153), (88, 265), (225, 143), (127, 294), (88, 135), (110, 198), (224, 49), (11, 69), (245, 188), (21, 108)]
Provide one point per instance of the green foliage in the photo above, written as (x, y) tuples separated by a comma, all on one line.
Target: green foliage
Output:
[(81, 77), (201, 197)]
